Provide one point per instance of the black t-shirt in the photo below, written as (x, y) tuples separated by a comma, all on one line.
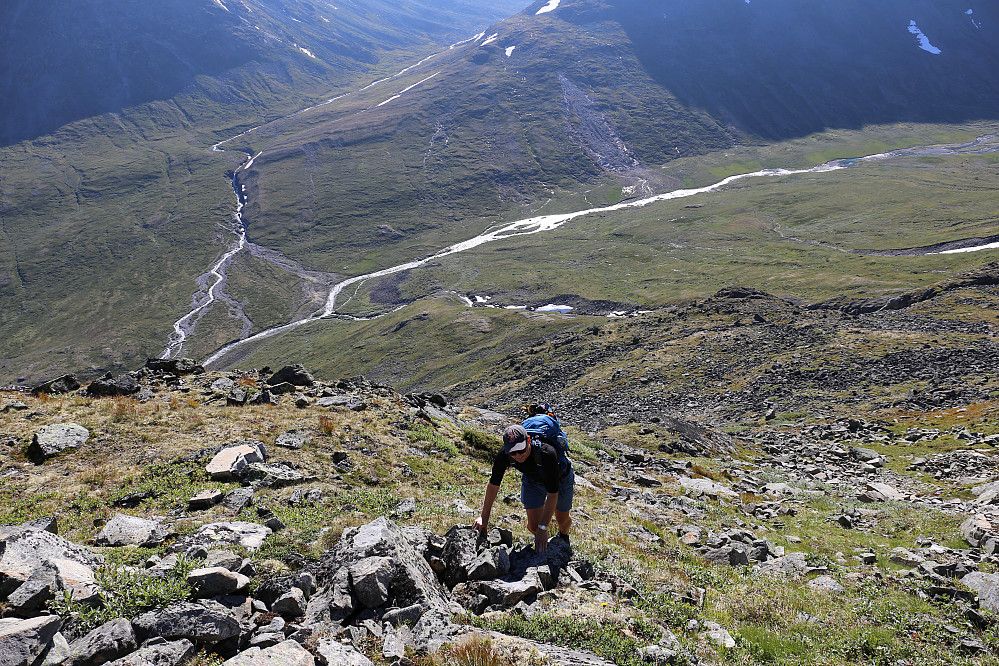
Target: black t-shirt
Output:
[(541, 466)]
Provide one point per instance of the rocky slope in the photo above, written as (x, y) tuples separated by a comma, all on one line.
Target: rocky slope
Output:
[(269, 516)]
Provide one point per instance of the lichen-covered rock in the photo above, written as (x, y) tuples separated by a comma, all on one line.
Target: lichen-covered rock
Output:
[(205, 621), (107, 642), (287, 653), (56, 438), (125, 530)]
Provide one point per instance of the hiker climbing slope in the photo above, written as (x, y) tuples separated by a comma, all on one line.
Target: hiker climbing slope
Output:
[(538, 450)]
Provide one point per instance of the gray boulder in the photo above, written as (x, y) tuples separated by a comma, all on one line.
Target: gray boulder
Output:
[(64, 384), (215, 581), (108, 388), (295, 375), (975, 529), (460, 551), (55, 438), (23, 641), (826, 584), (176, 366), (270, 475), (30, 598), (206, 621), (987, 587), (222, 385), (238, 499), (340, 654), (291, 604), (69, 566), (864, 455), (58, 652), (170, 653), (293, 439), (412, 580), (107, 642), (125, 530), (792, 565)]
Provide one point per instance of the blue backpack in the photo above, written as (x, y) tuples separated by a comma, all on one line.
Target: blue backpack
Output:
[(542, 424)]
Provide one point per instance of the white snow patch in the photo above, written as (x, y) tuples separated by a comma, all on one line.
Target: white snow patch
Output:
[(550, 7), (509, 51), (551, 307), (977, 248), (516, 307), (325, 20), (221, 4), (306, 51), (492, 38), (970, 12), (482, 299), (924, 41)]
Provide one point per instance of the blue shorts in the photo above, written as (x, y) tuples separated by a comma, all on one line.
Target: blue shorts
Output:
[(533, 494)]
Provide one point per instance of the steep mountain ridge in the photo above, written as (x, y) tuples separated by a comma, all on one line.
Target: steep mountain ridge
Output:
[(64, 61)]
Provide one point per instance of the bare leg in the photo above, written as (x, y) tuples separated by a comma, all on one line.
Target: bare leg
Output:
[(564, 521)]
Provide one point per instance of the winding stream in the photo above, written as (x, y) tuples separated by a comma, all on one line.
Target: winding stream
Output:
[(543, 223), (208, 294)]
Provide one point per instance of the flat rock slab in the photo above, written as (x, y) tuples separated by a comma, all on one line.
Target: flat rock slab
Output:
[(230, 460), (58, 437), (170, 653), (125, 530), (235, 533), (881, 492), (707, 486), (288, 653)]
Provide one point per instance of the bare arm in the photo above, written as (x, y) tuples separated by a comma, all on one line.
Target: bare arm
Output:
[(541, 535), (482, 522)]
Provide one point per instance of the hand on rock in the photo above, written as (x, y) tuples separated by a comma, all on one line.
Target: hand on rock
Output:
[(541, 540)]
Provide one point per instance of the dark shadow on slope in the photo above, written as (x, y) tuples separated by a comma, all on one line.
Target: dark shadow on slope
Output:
[(782, 68)]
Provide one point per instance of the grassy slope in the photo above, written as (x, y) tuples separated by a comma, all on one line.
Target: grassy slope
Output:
[(132, 446)]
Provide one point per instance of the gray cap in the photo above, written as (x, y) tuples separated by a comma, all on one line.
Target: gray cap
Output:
[(514, 439)]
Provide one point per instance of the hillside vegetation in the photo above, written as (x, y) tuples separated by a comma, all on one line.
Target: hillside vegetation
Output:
[(763, 484)]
